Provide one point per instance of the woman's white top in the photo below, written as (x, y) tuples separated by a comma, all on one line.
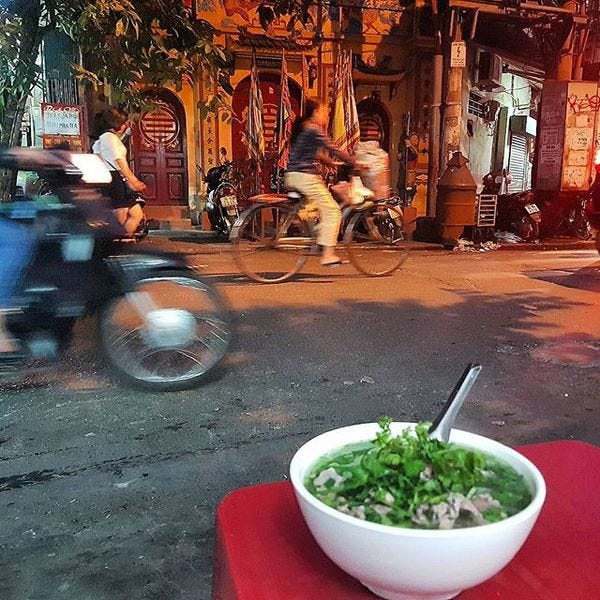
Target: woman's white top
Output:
[(110, 148)]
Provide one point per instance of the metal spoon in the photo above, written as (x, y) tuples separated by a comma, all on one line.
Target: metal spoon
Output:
[(441, 427)]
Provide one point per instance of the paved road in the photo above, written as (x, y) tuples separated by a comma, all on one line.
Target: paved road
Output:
[(109, 494)]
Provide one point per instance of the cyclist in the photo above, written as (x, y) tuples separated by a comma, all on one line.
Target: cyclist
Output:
[(309, 146)]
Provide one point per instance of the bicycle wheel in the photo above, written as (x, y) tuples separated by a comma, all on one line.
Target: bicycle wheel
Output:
[(271, 243), (375, 240)]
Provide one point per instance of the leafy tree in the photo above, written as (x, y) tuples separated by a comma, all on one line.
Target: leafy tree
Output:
[(127, 43), (132, 43)]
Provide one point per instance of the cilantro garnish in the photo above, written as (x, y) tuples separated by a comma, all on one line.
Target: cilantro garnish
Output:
[(412, 480)]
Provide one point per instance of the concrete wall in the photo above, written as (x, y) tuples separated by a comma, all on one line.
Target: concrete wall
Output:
[(479, 147)]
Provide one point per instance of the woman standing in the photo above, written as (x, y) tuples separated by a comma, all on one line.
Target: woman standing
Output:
[(309, 146), (111, 125)]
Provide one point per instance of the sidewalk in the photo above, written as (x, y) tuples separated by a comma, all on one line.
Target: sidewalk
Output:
[(560, 243)]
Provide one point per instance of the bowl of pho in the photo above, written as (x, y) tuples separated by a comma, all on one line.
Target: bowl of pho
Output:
[(414, 518)]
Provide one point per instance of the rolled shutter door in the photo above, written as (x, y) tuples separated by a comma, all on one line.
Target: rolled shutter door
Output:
[(517, 164)]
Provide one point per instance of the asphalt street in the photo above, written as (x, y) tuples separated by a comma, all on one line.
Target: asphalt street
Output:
[(108, 493)]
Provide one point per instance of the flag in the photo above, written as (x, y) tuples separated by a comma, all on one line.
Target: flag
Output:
[(345, 126), (304, 83), (284, 119), (255, 136), (338, 120), (255, 133), (350, 111)]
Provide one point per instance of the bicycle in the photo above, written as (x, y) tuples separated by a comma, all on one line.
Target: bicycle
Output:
[(274, 237)]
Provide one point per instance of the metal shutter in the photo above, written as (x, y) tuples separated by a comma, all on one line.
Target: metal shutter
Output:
[(517, 163)]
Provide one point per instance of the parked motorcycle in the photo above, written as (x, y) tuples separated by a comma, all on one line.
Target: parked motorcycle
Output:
[(161, 327), (516, 213), (222, 202)]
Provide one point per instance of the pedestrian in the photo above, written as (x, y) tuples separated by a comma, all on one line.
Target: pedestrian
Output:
[(111, 125), (308, 146)]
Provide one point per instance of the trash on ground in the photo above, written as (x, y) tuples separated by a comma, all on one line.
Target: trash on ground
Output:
[(463, 245), (367, 380), (508, 237)]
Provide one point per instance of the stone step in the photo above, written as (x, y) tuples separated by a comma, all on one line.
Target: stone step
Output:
[(171, 224), (167, 212)]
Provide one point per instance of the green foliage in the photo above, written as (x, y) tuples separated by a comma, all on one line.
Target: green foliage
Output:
[(298, 11), (403, 473), (127, 43), (148, 42), (131, 43)]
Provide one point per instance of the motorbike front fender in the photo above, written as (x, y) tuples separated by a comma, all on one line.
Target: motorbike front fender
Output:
[(142, 263)]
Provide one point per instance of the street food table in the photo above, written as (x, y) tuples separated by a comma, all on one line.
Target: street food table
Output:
[(264, 550)]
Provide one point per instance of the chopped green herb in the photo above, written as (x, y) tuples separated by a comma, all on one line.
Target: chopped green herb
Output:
[(411, 480)]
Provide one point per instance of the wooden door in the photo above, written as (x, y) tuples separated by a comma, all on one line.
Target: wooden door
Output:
[(159, 152)]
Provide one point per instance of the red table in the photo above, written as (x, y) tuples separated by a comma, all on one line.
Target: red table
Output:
[(264, 551)]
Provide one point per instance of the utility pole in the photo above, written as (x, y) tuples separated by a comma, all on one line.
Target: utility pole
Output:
[(435, 124), (453, 112)]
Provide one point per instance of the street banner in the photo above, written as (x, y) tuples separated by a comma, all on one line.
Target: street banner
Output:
[(255, 137), (345, 126), (284, 119), (304, 83), (62, 123), (338, 121), (350, 110)]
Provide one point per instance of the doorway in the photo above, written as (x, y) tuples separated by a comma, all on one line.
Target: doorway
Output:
[(374, 123), (159, 150)]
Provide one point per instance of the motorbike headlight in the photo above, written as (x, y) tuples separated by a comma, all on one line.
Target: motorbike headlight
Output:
[(92, 167)]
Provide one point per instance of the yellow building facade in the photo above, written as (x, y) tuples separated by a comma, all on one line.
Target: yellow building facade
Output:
[(392, 77)]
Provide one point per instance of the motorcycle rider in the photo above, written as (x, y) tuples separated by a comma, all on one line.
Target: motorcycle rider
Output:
[(111, 125), (16, 248)]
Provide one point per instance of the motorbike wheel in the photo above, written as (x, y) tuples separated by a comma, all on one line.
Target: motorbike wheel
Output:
[(175, 341), (527, 229), (142, 231)]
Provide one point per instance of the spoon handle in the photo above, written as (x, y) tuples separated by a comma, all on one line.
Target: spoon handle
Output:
[(441, 427)]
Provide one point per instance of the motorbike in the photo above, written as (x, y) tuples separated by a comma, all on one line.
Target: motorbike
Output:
[(161, 327), (43, 188), (516, 213), (222, 202)]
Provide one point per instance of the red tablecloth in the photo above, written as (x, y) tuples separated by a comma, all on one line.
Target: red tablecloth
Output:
[(264, 551)]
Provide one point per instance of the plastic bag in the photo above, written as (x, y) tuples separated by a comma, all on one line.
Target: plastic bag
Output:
[(358, 192)]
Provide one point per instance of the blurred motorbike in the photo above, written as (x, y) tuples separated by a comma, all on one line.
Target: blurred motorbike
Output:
[(161, 327), (41, 187)]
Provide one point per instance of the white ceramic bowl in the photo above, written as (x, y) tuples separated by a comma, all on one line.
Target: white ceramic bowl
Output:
[(414, 564)]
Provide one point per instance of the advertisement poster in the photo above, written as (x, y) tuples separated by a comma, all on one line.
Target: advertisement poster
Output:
[(62, 123), (551, 137)]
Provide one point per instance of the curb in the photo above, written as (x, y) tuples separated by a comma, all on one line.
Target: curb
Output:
[(551, 245), (545, 245)]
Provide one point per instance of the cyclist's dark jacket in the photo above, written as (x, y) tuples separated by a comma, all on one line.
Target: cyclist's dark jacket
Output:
[(303, 153)]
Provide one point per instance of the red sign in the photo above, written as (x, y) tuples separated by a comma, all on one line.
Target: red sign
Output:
[(62, 123)]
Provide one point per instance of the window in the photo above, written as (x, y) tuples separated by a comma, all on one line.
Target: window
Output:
[(476, 102)]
